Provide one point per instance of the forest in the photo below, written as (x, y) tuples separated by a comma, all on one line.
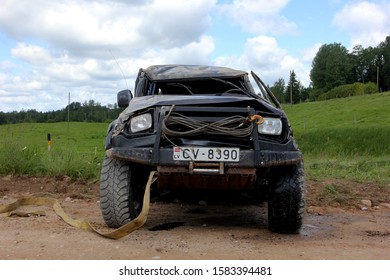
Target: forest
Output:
[(335, 72), (89, 111)]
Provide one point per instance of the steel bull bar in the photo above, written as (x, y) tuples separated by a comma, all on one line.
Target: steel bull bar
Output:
[(239, 175), (248, 158)]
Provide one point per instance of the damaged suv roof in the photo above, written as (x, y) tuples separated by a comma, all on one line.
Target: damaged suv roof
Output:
[(172, 72)]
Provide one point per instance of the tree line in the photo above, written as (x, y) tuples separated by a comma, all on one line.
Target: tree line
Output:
[(366, 70), (89, 111)]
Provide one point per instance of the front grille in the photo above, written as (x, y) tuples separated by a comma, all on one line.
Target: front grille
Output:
[(207, 126)]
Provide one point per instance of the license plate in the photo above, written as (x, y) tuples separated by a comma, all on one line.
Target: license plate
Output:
[(206, 154)]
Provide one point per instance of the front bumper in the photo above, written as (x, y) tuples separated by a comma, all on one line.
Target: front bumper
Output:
[(241, 175), (248, 158)]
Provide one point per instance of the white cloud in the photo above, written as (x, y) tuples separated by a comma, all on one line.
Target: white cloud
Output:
[(367, 23), (197, 52), (303, 67), (263, 52), (310, 53), (263, 55), (90, 28), (83, 47), (259, 16), (175, 23), (32, 54)]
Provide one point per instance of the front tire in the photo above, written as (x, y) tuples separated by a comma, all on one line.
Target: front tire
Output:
[(287, 201), (121, 195)]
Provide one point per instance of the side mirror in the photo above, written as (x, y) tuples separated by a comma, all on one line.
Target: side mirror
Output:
[(124, 97)]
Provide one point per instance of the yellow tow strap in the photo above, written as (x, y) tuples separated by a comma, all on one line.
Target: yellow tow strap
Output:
[(9, 210)]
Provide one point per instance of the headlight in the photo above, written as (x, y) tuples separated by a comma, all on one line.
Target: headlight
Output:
[(141, 122), (270, 126)]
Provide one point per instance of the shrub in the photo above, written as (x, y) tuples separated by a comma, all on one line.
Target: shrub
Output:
[(349, 90)]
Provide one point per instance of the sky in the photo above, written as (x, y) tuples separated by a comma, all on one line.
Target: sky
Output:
[(89, 50)]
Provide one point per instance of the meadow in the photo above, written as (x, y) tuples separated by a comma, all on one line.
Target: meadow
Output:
[(344, 138), (76, 149)]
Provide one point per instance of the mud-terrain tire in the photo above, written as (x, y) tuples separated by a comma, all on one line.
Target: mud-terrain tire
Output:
[(287, 201), (120, 196)]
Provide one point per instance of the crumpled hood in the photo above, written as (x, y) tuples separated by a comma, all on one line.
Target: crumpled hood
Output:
[(140, 103)]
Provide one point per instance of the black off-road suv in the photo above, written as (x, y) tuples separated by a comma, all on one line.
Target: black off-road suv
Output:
[(202, 127)]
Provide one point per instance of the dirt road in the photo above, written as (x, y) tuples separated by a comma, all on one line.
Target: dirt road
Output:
[(338, 225)]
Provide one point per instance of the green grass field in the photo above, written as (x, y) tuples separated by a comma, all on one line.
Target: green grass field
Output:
[(345, 138), (340, 138), (76, 149)]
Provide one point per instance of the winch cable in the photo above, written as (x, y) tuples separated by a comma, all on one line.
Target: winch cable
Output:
[(231, 126), (11, 209)]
